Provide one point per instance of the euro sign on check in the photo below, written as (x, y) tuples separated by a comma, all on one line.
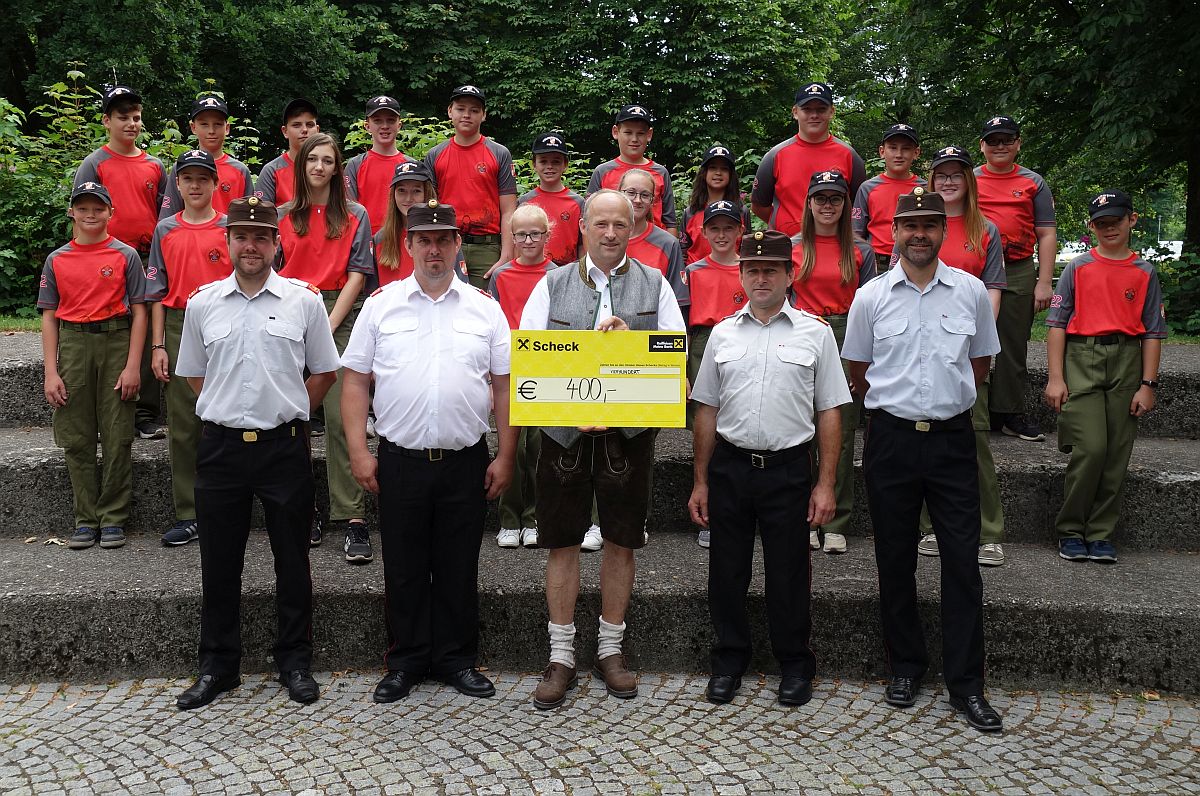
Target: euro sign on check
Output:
[(590, 378)]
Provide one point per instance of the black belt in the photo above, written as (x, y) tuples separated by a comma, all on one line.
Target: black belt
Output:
[(428, 454), (292, 429), (764, 459), (1103, 339), (97, 327), (481, 238), (956, 423)]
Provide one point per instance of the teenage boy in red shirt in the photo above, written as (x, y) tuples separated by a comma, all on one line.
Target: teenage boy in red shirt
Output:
[(276, 181), (633, 129), (875, 203), (209, 122), (369, 175), (562, 205)]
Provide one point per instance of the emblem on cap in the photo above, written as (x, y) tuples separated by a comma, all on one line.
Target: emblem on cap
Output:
[(995, 121), (758, 236), (252, 200), (551, 141), (468, 90), (407, 166), (903, 127), (918, 191), (825, 176), (719, 150), (637, 110), (433, 202), (1103, 198), (380, 100), (723, 205), (815, 88), (193, 154), (90, 186), (210, 102), (117, 91)]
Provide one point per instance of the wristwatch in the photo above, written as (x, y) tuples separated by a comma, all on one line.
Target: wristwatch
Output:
[(1150, 383)]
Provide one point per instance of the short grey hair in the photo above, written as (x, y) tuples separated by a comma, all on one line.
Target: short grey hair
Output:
[(587, 203)]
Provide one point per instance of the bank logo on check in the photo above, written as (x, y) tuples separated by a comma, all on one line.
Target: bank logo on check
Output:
[(668, 342)]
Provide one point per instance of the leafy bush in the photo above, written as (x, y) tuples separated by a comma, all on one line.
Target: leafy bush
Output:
[(1181, 293)]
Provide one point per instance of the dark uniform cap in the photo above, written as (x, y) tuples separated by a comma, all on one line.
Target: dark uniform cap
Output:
[(382, 103), (431, 215), (1000, 124), (920, 203), (725, 208), (91, 189), (411, 170), (298, 105), (634, 113), (252, 212), (114, 93), (769, 245), (208, 102), (951, 154), (832, 180), (717, 151), (549, 142), (902, 130), (1112, 202), (469, 91), (814, 91), (197, 158)]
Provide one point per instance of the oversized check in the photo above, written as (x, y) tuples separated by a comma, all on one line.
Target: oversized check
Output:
[(590, 378)]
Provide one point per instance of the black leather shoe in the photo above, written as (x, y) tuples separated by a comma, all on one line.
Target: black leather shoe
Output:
[(902, 691), (301, 686), (979, 713), (206, 689), (470, 682), (794, 691), (395, 685), (722, 688)]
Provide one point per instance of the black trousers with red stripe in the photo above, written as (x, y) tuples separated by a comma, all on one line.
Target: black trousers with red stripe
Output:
[(431, 517), (230, 473), (774, 500)]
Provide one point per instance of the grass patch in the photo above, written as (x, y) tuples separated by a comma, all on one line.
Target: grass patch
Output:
[(11, 323), (1039, 332)]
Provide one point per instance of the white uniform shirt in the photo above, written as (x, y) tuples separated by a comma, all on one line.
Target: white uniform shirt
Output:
[(768, 380), (431, 359), (919, 343), (537, 309), (252, 351)]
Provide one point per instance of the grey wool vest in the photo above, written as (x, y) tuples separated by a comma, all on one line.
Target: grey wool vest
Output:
[(574, 303)]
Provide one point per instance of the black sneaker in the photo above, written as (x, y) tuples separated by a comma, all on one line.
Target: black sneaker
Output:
[(1020, 427), (83, 538), (358, 542), (112, 536), (180, 533), (318, 528), (149, 429)]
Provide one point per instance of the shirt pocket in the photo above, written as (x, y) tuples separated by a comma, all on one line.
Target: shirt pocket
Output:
[(956, 338), (892, 347), (283, 343), (397, 342), (798, 370), (472, 343)]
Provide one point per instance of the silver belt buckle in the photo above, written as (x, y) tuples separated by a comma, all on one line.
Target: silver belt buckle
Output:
[(921, 425), (757, 460)]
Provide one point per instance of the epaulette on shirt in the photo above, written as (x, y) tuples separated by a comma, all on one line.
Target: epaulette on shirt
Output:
[(202, 287), (814, 317), (484, 292), (302, 283), (382, 288)]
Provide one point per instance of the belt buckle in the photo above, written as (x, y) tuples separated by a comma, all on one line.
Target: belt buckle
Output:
[(431, 454), (758, 460), (249, 436), (921, 425)]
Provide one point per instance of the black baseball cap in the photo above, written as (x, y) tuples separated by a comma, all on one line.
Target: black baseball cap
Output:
[(902, 130), (298, 105), (114, 93), (951, 154), (411, 171), (550, 142), (196, 158), (832, 180), (1112, 202), (634, 113), (431, 215), (725, 208), (920, 203), (717, 151), (1000, 124), (91, 189), (382, 103), (814, 91), (469, 91), (769, 245), (208, 102)]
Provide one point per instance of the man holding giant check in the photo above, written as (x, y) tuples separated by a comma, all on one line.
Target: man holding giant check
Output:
[(607, 291)]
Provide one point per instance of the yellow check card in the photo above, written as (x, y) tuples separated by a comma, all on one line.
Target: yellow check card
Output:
[(593, 378)]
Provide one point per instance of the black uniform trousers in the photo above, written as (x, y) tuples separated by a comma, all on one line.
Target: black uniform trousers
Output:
[(904, 466), (230, 472), (774, 498), (431, 515)]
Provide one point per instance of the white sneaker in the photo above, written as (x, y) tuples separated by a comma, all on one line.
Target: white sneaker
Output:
[(592, 540), (508, 537), (704, 538), (928, 545), (529, 537), (991, 554), (814, 540), (835, 543)]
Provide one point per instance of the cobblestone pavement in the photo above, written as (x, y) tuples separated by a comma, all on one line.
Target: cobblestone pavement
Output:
[(127, 737)]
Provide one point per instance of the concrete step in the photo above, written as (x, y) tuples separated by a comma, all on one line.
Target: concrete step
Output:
[(1162, 496), (1177, 415), (134, 612)]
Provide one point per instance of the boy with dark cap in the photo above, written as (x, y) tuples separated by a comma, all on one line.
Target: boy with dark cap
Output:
[(1103, 348), (93, 334), (476, 176), (876, 199), (369, 175), (209, 122), (562, 205), (276, 181), (633, 129)]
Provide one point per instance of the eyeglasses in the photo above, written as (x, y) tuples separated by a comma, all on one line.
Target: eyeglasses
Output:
[(531, 237), (635, 195), (1000, 140), (834, 200), (957, 176)]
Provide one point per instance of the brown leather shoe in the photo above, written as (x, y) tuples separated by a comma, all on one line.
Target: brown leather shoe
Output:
[(617, 678), (557, 680)]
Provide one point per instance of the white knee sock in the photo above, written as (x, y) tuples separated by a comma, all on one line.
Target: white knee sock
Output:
[(609, 639), (562, 644)]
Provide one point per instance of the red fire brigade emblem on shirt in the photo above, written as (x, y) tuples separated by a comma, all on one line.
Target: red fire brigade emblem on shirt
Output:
[(1018, 193), (214, 255), (482, 169), (565, 216), (106, 271), (739, 298), (226, 187), (1130, 295)]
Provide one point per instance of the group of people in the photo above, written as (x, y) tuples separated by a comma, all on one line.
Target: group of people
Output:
[(359, 287)]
